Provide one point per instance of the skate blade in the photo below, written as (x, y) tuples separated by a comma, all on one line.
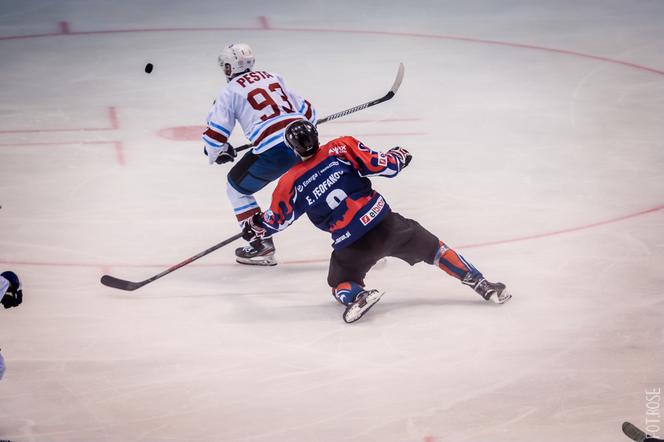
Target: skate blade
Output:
[(258, 261), (502, 298), (355, 311)]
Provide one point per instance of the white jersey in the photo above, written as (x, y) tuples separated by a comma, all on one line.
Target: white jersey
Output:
[(4, 285), (262, 104)]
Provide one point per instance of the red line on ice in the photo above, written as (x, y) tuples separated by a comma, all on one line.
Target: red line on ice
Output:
[(111, 113), (382, 120), (563, 231), (376, 134), (324, 260), (264, 26), (113, 117), (118, 146), (64, 27)]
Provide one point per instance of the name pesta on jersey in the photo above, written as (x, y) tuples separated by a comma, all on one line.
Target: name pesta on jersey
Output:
[(262, 104), (334, 190)]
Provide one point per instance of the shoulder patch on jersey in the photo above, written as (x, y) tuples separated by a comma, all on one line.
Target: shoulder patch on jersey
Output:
[(336, 149)]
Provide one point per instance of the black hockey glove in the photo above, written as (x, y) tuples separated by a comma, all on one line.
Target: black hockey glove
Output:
[(14, 295), (224, 154), (402, 154), (12, 299), (227, 156), (254, 228)]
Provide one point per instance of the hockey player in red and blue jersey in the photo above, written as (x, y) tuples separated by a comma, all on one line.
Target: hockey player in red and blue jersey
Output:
[(331, 185)]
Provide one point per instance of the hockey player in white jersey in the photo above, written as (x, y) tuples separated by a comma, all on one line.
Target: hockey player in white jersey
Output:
[(11, 295), (263, 106)]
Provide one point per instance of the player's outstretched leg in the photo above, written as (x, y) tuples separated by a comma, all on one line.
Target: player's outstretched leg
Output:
[(357, 300), (455, 265)]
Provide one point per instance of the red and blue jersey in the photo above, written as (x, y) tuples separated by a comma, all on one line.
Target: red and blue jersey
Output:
[(334, 190)]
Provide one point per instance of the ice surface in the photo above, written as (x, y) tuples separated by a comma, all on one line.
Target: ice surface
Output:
[(539, 153)]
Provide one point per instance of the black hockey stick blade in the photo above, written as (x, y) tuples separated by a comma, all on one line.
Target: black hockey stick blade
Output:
[(121, 284), (634, 433), (393, 90)]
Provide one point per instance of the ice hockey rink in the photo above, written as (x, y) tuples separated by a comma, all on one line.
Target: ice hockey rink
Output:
[(538, 140)]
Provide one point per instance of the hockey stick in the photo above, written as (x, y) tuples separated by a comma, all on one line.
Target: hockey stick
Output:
[(393, 90), (636, 434), (122, 284)]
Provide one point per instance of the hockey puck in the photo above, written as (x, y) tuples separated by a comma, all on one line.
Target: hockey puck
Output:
[(148, 68)]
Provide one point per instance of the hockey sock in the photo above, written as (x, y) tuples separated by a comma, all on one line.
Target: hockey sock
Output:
[(454, 264), (244, 216), (244, 206), (346, 292)]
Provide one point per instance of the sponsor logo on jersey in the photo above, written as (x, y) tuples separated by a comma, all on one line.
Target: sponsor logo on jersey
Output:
[(337, 150), (361, 146), (300, 187), (373, 212), (343, 237), (332, 164), (269, 217)]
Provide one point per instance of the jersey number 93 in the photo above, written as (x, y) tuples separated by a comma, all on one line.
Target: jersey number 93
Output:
[(260, 99)]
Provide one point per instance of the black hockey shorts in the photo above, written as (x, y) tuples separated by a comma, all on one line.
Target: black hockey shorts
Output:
[(395, 236), (253, 172)]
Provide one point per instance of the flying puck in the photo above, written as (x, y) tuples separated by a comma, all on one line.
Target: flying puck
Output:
[(148, 68)]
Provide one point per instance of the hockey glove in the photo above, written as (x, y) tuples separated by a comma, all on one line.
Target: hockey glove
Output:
[(220, 155), (402, 154), (254, 228), (14, 295)]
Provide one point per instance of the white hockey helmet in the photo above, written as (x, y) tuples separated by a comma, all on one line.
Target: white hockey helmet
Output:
[(236, 59)]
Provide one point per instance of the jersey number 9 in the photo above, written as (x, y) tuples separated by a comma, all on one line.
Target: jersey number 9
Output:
[(266, 100)]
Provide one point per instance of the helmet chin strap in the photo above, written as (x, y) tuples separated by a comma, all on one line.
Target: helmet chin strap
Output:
[(228, 79)]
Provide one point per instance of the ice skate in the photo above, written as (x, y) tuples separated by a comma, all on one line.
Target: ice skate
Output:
[(364, 301), (490, 291), (257, 253)]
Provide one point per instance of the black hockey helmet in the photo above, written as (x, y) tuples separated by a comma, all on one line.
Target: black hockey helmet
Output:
[(302, 137)]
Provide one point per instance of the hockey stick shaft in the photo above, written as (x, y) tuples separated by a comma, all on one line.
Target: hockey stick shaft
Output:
[(393, 90), (122, 284)]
